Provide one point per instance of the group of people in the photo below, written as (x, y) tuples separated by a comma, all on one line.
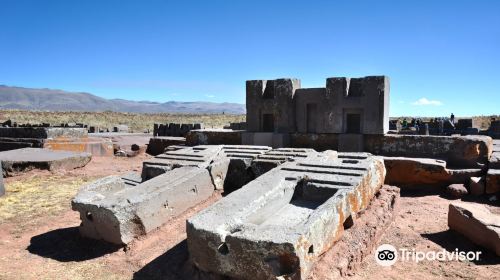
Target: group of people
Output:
[(418, 123)]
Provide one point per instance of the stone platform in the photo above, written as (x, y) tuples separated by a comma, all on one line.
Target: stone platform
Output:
[(22, 160), (280, 223), (118, 209)]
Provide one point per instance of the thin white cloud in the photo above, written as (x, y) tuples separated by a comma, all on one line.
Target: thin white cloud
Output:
[(424, 102), (209, 95)]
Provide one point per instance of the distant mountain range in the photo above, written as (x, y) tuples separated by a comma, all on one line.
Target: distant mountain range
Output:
[(59, 100)]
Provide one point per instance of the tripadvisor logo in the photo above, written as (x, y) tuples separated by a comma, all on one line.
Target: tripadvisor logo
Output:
[(387, 255)]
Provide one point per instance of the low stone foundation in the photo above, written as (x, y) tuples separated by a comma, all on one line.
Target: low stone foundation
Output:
[(457, 151), (213, 137)]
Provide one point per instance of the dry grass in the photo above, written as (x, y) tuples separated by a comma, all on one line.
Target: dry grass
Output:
[(136, 122), (38, 196)]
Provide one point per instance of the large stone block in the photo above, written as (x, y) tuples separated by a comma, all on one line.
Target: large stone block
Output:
[(416, 172), (275, 140), (279, 224), (96, 146), (157, 145), (493, 181), (348, 255), (319, 142), (476, 223), (199, 156), (26, 159), (239, 171), (117, 212), (213, 137), (351, 143), (457, 151)]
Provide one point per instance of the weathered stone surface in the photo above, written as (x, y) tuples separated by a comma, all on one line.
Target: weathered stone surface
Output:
[(157, 145), (117, 212), (2, 187), (240, 166), (476, 223), (416, 172), (351, 143), (346, 256), (344, 105), (280, 223), (493, 181), (199, 156), (130, 144), (273, 158), (275, 140), (26, 159), (132, 178), (101, 147), (476, 186), (456, 190), (319, 142), (495, 155), (7, 144), (213, 137), (494, 160), (457, 151)]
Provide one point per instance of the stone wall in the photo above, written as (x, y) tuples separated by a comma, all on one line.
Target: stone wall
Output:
[(457, 151), (42, 132)]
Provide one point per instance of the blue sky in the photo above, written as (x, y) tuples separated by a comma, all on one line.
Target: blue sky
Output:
[(441, 56)]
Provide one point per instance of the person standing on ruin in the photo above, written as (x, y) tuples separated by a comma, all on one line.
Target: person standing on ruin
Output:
[(452, 119)]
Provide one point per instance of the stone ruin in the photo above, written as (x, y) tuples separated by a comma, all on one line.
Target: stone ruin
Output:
[(236, 126), (349, 107), (175, 129), (280, 223), (289, 196), (63, 138), (296, 201)]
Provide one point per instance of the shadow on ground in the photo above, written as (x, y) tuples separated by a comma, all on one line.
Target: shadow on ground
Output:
[(422, 191), (174, 264), (451, 240), (66, 245)]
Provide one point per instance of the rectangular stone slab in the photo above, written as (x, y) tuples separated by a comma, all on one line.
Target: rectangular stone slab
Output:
[(280, 223), (26, 159), (477, 223), (117, 212)]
